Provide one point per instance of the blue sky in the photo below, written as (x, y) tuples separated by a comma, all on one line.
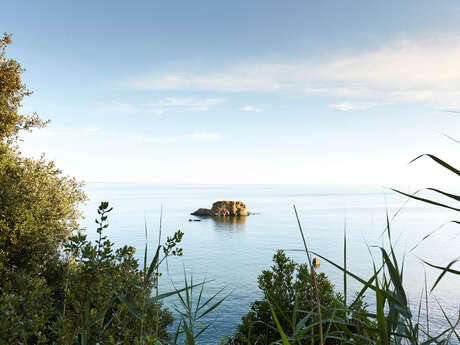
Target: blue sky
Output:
[(241, 91)]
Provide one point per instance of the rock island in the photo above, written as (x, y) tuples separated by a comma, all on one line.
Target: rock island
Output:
[(223, 208)]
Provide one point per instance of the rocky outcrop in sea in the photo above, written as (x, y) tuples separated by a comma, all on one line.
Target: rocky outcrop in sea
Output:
[(223, 208)]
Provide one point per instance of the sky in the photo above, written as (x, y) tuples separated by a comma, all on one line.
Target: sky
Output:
[(278, 92)]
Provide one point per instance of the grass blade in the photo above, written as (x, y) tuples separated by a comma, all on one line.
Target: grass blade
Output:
[(188, 334), (428, 201), (280, 329), (101, 313), (439, 161), (450, 322), (315, 283), (345, 263), (130, 307), (449, 195), (444, 269), (171, 293)]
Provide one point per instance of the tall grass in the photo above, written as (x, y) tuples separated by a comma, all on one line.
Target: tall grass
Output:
[(315, 283), (192, 312), (393, 321)]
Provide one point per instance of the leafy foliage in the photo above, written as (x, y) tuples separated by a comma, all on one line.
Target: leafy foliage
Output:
[(99, 274), (38, 212), (94, 297), (288, 290), (39, 206), (12, 92), (192, 311)]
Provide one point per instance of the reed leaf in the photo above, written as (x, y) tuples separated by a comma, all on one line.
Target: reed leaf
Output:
[(101, 313), (444, 269), (452, 326), (171, 293), (439, 161), (153, 265), (280, 329), (130, 307), (345, 263), (214, 306), (449, 195), (190, 338), (428, 201)]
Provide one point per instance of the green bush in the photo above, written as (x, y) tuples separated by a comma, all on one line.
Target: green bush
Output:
[(97, 274), (288, 289), (96, 292)]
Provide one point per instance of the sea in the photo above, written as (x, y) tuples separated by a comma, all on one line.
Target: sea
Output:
[(229, 254)]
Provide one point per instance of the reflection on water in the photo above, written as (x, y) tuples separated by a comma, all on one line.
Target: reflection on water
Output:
[(229, 223), (225, 223)]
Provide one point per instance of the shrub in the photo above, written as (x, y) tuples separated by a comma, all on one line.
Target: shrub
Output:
[(100, 279), (95, 292), (288, 289)]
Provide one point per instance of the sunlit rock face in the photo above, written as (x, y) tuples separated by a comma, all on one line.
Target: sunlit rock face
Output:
[(223, 208)]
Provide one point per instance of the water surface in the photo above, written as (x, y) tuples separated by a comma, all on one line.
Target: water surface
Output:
[(232, 252)]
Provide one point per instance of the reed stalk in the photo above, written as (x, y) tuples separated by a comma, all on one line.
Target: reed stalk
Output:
[(313, 274), (157, 275)]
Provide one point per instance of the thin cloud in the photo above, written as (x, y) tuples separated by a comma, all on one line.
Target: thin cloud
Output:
[(120, 107), (204, 136), (104, 135), (212, 136), (66, 132), (451, 111), (251, 108), (188, 104), (160, 107), (404, 70), (347, 106)]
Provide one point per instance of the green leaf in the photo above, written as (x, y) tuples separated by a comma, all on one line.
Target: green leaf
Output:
[(452, 326), (444, 269), (188, 334), (130, 307), (145, 249), (280, 329), (171, 293), (210, 309), (345, 263), (452, 196), (101, 313), (209, 299), (153, 264), (439, 161), (176, 334), (202, 331), (428, 201), (366, 286)]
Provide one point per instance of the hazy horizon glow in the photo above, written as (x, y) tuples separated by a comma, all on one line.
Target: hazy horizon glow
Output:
[(242, 92)]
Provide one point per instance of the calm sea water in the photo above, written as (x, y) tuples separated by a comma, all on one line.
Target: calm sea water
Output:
[(232, 253)]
